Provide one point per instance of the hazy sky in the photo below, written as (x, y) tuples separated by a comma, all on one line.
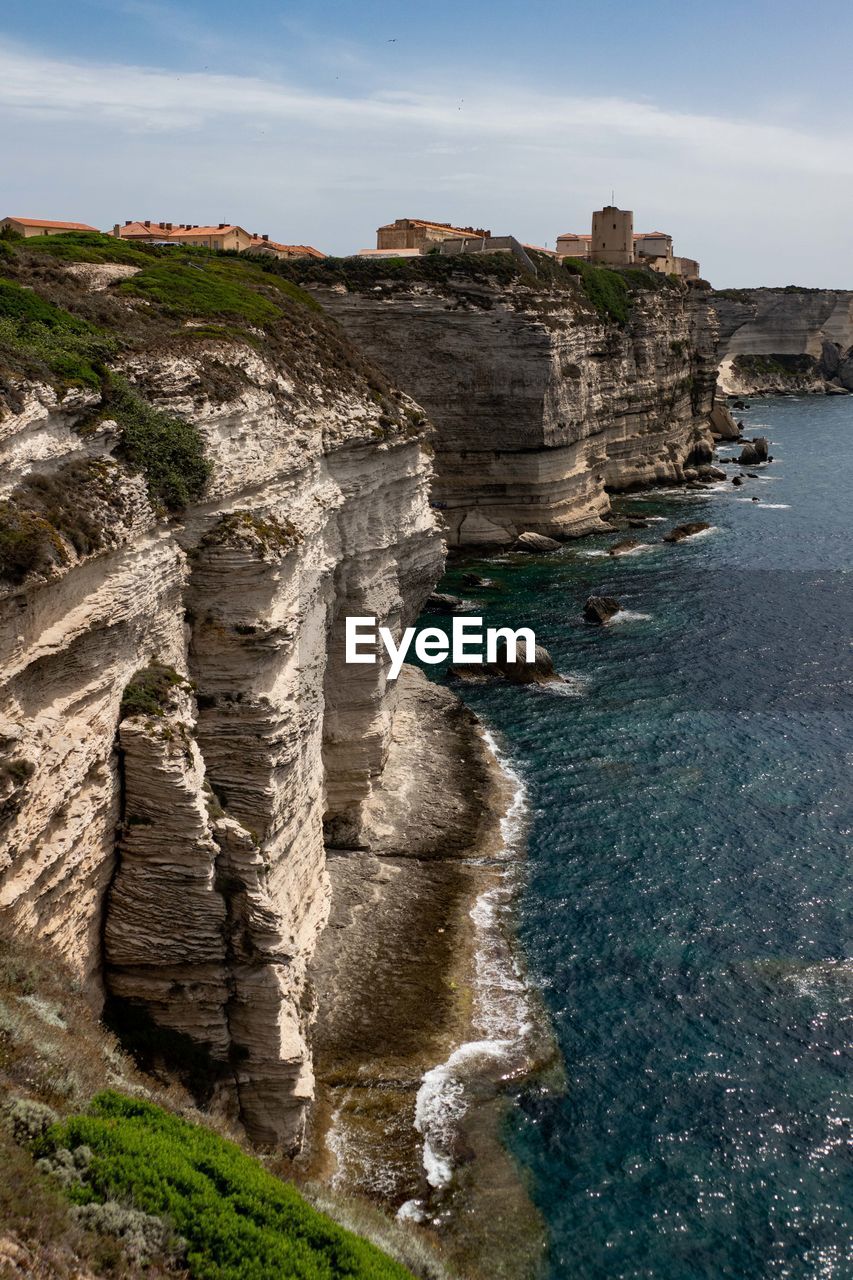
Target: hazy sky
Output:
[(728, 124)]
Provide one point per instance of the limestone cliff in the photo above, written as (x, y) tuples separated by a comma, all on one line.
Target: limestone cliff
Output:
[(542, 401), (785, 340), (176, 720)]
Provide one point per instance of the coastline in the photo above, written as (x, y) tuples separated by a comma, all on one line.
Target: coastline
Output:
[(424, 1022)]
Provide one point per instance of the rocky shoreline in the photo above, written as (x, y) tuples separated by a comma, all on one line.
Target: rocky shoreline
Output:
[(395, 980)]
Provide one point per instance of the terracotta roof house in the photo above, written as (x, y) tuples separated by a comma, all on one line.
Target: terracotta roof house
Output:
[(42, 227), (275, 249), (225, 235)]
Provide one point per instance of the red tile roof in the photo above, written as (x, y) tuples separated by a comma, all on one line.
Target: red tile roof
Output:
[(295, 250), (43, 222)]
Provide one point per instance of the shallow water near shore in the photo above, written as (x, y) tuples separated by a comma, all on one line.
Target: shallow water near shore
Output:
[(687, 907)]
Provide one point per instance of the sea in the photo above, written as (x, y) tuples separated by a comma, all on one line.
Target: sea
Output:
[(685, 910)]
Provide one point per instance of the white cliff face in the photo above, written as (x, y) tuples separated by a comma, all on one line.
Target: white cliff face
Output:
[(778, 340), (177, 860), (539, 406)]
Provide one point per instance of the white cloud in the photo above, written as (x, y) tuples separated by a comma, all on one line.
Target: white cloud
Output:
[(107, 141)]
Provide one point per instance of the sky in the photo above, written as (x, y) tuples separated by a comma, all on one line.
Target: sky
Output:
[(728, 125)]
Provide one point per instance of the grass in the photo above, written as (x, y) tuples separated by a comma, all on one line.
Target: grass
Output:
[(168, 450), (199, 285), (40, 339), (239, 1221), (89, 246)]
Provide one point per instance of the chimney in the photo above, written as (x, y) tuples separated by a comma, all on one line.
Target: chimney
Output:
[(168, 226), (128, 221), (147, 223), (222, 224), (265, 237), (117, 231)]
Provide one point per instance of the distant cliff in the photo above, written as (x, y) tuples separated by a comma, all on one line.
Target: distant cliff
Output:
[(785, 340), (545, 392)]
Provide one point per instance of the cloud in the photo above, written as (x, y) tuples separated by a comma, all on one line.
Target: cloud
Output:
[(101, 141), (151, 99)]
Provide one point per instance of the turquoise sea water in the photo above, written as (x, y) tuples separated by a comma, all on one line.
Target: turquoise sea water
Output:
[(687, 908)]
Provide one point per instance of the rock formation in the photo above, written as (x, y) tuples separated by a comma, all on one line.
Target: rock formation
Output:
[(541, 403), (178, 860), (779, 341), (600, 609)]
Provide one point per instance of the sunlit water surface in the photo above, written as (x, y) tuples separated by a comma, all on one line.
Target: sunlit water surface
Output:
[(687, 908)]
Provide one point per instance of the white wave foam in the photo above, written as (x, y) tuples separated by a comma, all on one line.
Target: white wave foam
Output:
[(767, 506), (592, 554), (629, 615), (501, 1007), (703, 533)]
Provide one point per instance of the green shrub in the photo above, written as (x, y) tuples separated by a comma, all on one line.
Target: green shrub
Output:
[(149, 692), (606, 290), (166, 449), (239, 1221), (76, 505), (40, 339)]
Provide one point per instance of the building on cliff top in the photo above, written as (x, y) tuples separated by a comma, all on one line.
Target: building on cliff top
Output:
[(223, 236), (415, 233), (41, 227), (614, 242)]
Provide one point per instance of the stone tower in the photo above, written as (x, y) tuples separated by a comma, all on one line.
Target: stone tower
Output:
[(612, 236)]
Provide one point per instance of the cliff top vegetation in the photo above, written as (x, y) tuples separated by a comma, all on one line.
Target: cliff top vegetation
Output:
[(610, 292)]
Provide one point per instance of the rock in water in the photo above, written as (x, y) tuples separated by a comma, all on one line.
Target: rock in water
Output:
[(682, 531), (622, 548), (702, 453), (438, 602), (475, 580), (737, 479), (761, 445), (723, 425), (748, 455), (539, 671), (635, 523), (600, 609), (535, 542)]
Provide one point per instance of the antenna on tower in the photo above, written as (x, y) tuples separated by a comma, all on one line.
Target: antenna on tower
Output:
[(613, 197)]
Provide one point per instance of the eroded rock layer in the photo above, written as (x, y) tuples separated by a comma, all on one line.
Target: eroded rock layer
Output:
[(540, 404), (173, 845)]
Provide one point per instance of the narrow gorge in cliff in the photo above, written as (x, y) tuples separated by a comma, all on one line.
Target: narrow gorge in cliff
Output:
[(290, 893)]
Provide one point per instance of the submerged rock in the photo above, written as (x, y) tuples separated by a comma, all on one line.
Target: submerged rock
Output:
[(475, 580), (600, 609), (535, 542), (439, 602), (622, 548), (539, 671), (682, 531), (635, 522)]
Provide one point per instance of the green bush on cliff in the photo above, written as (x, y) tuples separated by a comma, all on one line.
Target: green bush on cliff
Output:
[(42, 340), (168, 450), (606, 290), (239, 1222)]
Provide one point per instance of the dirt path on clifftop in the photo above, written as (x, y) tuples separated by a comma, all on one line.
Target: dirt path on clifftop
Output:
[(394, 983)]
